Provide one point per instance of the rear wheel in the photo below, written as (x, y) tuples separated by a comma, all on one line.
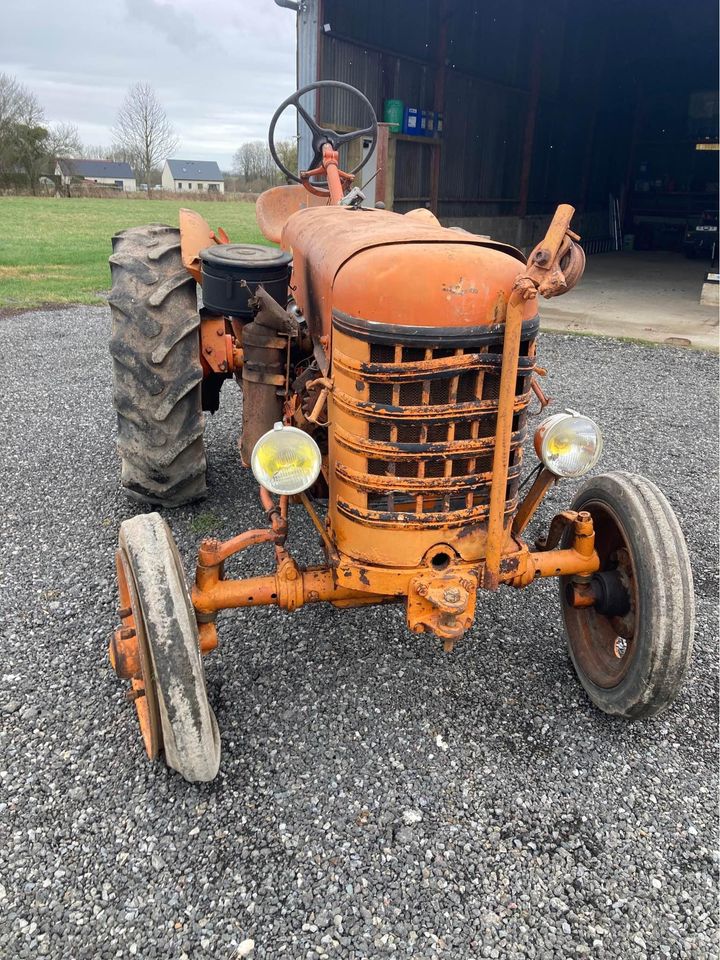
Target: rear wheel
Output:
[(631, 650), (157, 374), (159, 647)]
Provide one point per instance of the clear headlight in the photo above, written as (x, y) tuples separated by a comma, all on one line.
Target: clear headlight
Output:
[(285, 460), (569, 444)]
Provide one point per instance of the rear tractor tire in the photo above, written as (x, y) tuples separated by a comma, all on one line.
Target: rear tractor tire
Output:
[(157, 374), (632, 649), (165, 668)]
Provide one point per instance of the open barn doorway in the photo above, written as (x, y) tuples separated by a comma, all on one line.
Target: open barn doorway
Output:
[(612, 107)]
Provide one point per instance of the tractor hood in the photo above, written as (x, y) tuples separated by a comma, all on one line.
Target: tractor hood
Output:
[(388, 268)]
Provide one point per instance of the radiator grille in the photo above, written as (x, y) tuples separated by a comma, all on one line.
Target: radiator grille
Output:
[(429, 417)]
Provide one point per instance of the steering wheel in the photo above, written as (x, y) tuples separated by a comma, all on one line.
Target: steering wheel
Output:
[(322, 135)]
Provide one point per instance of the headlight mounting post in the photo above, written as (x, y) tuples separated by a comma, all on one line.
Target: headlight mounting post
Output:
[(543, 275), (503, 437)]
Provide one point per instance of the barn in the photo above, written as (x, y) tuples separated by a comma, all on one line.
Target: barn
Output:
[(611, 106)]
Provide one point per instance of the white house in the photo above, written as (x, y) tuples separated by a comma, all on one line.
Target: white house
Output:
[(104, 172), (192, 175)]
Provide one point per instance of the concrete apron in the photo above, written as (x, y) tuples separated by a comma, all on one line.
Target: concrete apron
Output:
[(651, 296)]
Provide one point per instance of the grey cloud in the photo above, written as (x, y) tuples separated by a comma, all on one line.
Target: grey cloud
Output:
[(218, 93), (168, 22)]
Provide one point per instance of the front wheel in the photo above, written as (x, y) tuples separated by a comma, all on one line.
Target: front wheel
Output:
[(631, 650), (158, 649)]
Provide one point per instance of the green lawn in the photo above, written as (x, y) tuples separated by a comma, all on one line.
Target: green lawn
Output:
[(55, 250)]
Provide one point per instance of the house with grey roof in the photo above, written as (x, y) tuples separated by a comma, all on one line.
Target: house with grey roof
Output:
[(192, 175), (107, 173)]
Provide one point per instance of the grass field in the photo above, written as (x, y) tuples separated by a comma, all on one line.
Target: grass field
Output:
[(55, 251)]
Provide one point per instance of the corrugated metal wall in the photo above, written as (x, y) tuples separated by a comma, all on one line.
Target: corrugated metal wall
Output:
[(389, 48), (482, 147), (409, 28)]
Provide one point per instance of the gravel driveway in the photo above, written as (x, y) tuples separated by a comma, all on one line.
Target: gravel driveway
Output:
[(375, 796)]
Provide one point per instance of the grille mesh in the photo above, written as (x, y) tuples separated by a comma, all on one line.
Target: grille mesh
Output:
[(429, 389)]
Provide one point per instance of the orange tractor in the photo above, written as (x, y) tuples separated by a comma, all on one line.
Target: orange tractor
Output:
[(387, 365)]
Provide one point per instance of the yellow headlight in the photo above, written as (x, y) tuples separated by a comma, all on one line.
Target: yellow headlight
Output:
[(285, 460), (569, 444)]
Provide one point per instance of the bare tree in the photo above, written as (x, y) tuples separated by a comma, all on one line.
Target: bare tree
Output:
[(94, 151), (254, 164), (243, 161), (287, 150), (18, 104), (143, 132), (23, 138), (63, 140)]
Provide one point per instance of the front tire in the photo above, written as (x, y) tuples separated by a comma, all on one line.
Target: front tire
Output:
[(172, 683), (633, 658), (157, 374)]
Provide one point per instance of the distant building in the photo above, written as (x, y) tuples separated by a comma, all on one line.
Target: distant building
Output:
[(104, 172), (192, 175)]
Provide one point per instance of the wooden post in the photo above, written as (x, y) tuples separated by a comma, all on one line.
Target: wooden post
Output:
[(390, 174), (439, 105), (383, 155)]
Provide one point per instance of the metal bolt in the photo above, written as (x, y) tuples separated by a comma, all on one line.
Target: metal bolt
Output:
[(421, 589), (125, 633), (620, 647), (452, 595), (124, 612)]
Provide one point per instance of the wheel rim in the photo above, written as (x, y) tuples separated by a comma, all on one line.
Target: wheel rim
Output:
[(604, 647), (142, 690)]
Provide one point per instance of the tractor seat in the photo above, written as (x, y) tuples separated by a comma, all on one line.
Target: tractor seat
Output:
[(275, 206)]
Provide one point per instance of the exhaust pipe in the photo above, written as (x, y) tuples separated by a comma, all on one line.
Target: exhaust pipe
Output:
[(264, 371)]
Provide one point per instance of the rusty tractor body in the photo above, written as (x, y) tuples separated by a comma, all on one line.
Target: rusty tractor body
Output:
[(407, 352)]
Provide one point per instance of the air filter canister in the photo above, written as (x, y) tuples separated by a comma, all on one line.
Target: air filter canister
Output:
[(231, 272)]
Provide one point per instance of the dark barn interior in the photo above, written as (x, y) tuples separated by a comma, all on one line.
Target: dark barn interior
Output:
[(610, 106)]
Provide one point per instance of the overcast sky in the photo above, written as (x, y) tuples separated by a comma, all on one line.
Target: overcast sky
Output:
[(220, 68)]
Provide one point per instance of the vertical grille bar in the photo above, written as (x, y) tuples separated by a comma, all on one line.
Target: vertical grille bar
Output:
[(452, 398), (393, 428), (423, 431), (475, 425)]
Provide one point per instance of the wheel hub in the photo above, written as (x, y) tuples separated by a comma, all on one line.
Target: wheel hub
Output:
[(130, 658), (603, 612)]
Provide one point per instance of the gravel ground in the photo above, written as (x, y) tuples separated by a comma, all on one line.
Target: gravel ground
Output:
[(375, 796)]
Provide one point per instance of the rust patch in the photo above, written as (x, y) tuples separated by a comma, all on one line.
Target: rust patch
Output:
[(500, 307), (458, 290)]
